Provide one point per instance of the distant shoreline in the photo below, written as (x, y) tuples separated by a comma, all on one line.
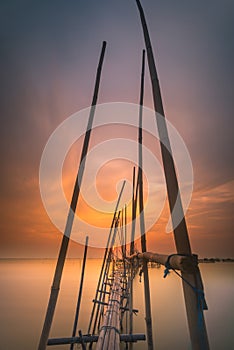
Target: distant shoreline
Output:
[(213, 260), (202, 260)]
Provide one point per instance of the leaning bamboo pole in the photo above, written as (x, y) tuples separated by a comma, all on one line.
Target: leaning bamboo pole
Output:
[(194, 307), (110, 330), (66, 237), (148, 318)]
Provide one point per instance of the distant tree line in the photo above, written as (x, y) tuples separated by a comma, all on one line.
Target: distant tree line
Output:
[(213, 260)]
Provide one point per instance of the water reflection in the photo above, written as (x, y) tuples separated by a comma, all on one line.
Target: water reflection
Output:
[(25, 288)]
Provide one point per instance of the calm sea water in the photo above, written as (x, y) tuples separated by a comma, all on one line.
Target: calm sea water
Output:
[(25, 287)]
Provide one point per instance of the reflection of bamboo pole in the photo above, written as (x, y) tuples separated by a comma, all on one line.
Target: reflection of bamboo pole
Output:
[(194, 308), (80, 292), (71, 214), (142, 219)]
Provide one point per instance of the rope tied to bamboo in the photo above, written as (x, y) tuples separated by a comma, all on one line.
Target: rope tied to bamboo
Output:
[(168, 266), (106, 327), (201, 302)]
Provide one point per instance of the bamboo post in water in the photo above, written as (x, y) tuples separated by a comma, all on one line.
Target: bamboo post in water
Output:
[(80, 292), (125, 230), (148, 318), (193, 304), (133, 213), (132, 252), (66, 237)]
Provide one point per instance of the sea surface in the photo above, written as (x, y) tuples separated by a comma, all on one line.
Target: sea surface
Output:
[(25, 287)]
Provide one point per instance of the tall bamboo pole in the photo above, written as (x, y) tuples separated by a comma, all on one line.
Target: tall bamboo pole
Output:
[(148, 318), (194, 307), (80, 292), (66, 237)]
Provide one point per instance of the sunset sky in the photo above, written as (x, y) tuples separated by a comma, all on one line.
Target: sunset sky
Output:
[(50, 51)]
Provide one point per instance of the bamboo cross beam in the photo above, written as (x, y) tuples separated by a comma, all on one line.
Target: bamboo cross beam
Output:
[(66, 237), (178, 262), (126, 338)]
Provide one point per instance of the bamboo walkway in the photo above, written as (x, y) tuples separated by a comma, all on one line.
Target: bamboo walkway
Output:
[(112, 316)]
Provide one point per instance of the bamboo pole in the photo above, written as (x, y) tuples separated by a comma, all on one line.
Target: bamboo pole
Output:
[(66, 237), (132, 248), (80, 292), (133, 212), (148, 318), (103, 289), (125, 230), (194, 308), (127, 276), (82, 341)]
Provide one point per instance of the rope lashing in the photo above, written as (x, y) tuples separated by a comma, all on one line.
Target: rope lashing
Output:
[(201, 303), (114, 301), (168, 266), (110, 327), (140, 273)]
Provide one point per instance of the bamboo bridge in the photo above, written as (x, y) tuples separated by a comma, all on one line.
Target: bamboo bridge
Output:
[(112, 310)]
